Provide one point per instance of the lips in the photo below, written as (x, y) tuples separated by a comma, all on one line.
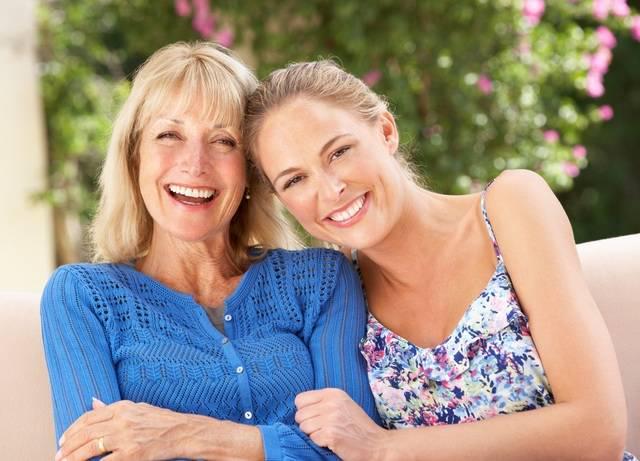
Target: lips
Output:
[(347, 213), (191, 195)]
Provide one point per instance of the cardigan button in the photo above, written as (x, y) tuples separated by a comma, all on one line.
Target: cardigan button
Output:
[(248, 415), (228, 317), (239, 370)]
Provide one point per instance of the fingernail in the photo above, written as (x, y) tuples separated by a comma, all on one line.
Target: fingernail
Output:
[(58, 456), (61, 441)]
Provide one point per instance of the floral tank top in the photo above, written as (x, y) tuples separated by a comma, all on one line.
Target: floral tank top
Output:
[(489, 365)]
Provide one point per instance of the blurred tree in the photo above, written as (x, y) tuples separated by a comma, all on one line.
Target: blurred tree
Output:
[(477, 85)]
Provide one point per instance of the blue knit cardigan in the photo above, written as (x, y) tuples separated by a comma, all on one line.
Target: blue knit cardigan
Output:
[(293, 324)]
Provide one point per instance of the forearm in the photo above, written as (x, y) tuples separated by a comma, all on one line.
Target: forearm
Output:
[(558, 432), (210, 439)]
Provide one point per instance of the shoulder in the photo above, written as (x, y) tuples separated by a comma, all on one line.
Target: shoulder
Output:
[(312, 271), (80, 284), (520, 203), (311, 258)]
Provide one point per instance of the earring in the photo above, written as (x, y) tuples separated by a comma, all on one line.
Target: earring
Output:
[(247, 195)]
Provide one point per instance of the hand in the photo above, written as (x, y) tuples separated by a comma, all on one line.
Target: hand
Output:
[(333, 420), (128, 430)]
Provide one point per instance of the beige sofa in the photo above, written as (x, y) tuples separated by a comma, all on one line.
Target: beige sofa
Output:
[(612, 268)]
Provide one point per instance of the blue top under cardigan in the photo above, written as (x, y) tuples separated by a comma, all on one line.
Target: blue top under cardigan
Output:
[(293, 324)]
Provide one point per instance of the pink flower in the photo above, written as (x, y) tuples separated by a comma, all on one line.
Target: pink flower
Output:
[(620, 8), (594, 85), (372, 77), (606, 112), (635, 27), (600, 61), (606, 37), (551, 136), (600, 9), (224, 37), (484, 84), (570, 169), (183, 7), (204, 24), (579, 151), (533, 11)]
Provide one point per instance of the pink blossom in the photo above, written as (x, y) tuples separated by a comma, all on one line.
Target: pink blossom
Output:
[(606, 112), (372, 77), (635, 27), (204, 25), (620, 8), (606, 37), (600, 61), (570, 169), (183, 7), (600, 9), (551, 136), (484, 84), (533, 11), (594, 85), (224, 37), (579, 151)]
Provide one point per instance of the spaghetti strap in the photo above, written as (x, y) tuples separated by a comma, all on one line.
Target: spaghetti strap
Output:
[(485, 216)]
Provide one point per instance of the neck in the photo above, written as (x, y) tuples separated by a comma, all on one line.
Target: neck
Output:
[(428, 221), (203, 269)]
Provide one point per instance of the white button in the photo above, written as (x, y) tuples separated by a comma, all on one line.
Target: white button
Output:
[(239, 370), (228, 317), (248, 415), (225, 340)]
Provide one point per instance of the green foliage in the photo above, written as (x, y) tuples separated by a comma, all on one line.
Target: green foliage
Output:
[(474, 85)]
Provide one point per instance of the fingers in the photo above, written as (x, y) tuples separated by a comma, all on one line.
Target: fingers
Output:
[(304, 399), (97, 403), (83, 446), (92, 417)]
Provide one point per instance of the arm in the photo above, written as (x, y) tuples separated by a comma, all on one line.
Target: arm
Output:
[(76, 350), (588, 420), (333, 342)]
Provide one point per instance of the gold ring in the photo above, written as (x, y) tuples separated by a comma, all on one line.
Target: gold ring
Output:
[(101, 448)]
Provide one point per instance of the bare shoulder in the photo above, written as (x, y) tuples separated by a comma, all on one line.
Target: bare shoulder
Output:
[(521, 202)]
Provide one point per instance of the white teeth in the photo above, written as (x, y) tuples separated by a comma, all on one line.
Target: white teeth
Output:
[(349, 212), (191, 192)]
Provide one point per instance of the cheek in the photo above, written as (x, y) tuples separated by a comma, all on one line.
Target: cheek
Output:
[(300, 207)]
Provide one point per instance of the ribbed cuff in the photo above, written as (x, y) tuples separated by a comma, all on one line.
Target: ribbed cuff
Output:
[(271, 443)]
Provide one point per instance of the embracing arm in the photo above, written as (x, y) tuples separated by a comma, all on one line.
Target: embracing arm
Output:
[(588, 419), (76, 349)]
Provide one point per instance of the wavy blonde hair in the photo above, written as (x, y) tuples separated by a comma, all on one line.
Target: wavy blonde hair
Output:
[(185, 76)]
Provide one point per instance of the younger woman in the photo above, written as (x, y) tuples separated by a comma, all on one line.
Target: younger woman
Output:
[(479, 312)]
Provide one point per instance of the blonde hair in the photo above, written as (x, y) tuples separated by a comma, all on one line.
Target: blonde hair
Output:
[(202, 76), (323, 80)]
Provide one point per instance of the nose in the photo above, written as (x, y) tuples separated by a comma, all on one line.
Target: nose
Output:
[(332, 187), (195, 159)]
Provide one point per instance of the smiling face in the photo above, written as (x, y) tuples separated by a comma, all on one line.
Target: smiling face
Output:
[(335, 172), (191, 174)]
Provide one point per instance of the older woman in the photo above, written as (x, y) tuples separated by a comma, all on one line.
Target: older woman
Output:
[(479, 313), (192, 335)]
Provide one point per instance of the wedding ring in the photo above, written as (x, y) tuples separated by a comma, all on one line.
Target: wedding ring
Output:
[(101, 447)]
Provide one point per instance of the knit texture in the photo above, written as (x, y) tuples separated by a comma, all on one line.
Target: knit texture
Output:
[(293, 324)]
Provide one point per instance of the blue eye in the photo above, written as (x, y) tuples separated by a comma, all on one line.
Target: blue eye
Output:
[(293, 181)]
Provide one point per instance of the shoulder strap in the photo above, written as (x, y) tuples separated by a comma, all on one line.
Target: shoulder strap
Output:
[(485, 216)]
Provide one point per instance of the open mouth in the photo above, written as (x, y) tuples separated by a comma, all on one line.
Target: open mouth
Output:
[(191, 195), (349, 213)]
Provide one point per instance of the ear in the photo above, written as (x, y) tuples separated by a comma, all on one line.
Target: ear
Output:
[(389, 131)]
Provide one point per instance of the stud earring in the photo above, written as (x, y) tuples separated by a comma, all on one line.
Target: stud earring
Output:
[(247, 195)]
